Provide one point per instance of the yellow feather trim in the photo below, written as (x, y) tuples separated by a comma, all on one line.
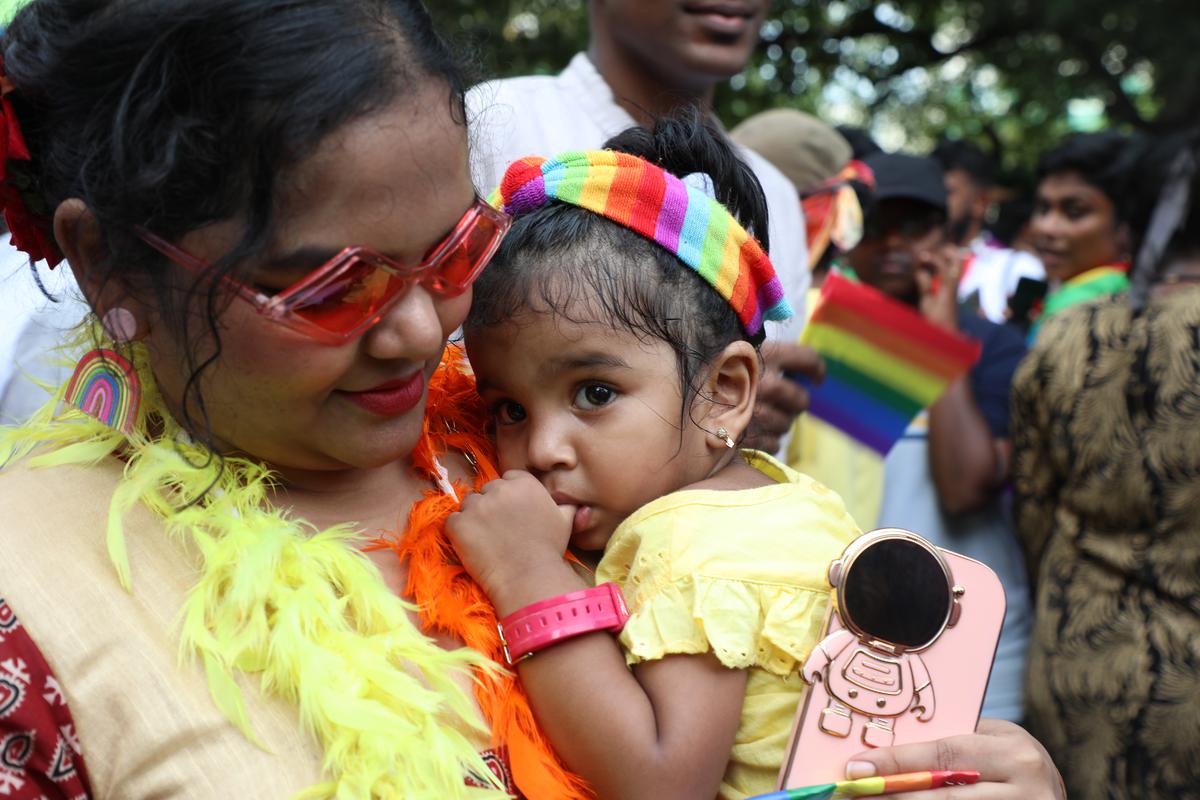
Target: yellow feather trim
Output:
[(304, 610)]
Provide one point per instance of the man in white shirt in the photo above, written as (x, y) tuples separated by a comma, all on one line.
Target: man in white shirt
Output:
[(992, 271), (647, 58)]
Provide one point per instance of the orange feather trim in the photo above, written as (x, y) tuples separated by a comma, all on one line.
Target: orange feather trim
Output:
[(451, 602)]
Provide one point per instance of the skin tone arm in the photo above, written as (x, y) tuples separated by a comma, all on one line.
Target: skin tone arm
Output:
[(968, 464), (663, 730)]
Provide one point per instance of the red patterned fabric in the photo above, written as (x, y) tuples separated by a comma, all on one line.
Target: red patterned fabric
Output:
[(39, 752), (40, 757), (497, 762)]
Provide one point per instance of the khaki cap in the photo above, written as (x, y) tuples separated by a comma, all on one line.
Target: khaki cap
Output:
[(800, 146)]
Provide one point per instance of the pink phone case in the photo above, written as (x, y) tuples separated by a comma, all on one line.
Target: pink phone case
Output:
[(958, 665)]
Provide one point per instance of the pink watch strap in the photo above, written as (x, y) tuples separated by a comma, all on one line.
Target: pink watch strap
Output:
[(541, 624)]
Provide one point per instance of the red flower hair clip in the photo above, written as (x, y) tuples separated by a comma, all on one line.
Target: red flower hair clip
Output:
[(31, 233)]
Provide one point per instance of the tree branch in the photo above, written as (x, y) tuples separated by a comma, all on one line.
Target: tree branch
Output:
[(1124, 108), (865, 23)]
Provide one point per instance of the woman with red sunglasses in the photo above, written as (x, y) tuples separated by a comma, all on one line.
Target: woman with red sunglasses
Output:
[(268, 207)]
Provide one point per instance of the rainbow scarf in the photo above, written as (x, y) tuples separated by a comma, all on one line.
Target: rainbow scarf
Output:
[(647, 199), (832, 213), (884, 362), (1084, 287)]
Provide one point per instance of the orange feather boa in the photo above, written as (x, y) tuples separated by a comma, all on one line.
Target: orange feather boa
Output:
[(451, 602)]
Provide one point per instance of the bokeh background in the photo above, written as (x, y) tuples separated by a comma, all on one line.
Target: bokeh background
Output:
[(1012, 75)]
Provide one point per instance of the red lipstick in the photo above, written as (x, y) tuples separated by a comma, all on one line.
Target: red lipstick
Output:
[(392, 398)]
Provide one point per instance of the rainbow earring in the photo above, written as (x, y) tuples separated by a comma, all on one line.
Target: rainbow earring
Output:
[(105, 384)]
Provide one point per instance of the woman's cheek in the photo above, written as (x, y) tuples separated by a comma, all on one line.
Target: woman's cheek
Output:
[(286, 367), (265, 369)]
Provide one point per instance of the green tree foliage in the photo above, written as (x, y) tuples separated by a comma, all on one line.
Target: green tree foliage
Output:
[(1015, 75), (514, 37)]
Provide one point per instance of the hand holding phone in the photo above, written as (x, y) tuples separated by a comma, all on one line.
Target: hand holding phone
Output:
[(1012, 765), (906, 655)]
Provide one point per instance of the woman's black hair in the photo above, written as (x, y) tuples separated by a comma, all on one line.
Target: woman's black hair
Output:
[(174, 114), (1012, 216), (567, 261), (967, 157), (1103, 160)]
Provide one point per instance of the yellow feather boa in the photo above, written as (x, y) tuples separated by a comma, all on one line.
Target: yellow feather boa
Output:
[(302, 609)]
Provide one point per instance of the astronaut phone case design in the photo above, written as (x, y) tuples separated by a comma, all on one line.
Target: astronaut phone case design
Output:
[(905, 655)]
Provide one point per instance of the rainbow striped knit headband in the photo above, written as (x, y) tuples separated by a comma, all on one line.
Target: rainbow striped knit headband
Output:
[(647, 199)]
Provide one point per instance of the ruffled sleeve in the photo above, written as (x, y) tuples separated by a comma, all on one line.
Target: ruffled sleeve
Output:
[(744, 624), (739, 574)]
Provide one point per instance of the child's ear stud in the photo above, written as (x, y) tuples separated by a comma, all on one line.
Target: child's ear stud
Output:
[(724, 436)]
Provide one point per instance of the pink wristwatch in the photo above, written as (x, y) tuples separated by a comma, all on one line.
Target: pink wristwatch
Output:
[(541, 624)]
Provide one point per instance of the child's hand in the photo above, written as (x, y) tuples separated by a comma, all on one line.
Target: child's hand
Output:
[(508, 531)]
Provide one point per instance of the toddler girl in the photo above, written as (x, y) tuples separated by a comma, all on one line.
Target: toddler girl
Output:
[(615, 340)]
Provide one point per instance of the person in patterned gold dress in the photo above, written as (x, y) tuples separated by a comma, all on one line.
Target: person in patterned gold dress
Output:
[(1106, 431)]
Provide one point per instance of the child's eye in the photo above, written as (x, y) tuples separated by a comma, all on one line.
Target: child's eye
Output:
[(594, 395), (509, 413)]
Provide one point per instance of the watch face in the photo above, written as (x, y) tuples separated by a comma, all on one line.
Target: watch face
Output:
[(896, 590)]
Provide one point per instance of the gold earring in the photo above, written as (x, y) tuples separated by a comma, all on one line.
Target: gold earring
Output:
[(724, 435)]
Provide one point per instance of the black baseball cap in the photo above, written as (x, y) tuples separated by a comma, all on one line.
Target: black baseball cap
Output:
[(898, 175)]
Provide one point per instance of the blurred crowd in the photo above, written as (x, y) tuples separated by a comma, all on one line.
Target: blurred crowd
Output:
[(1068, 460)]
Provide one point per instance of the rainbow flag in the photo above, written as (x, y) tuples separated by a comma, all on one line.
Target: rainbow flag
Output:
[(1091, 285), (870, 787), (884, 362)]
